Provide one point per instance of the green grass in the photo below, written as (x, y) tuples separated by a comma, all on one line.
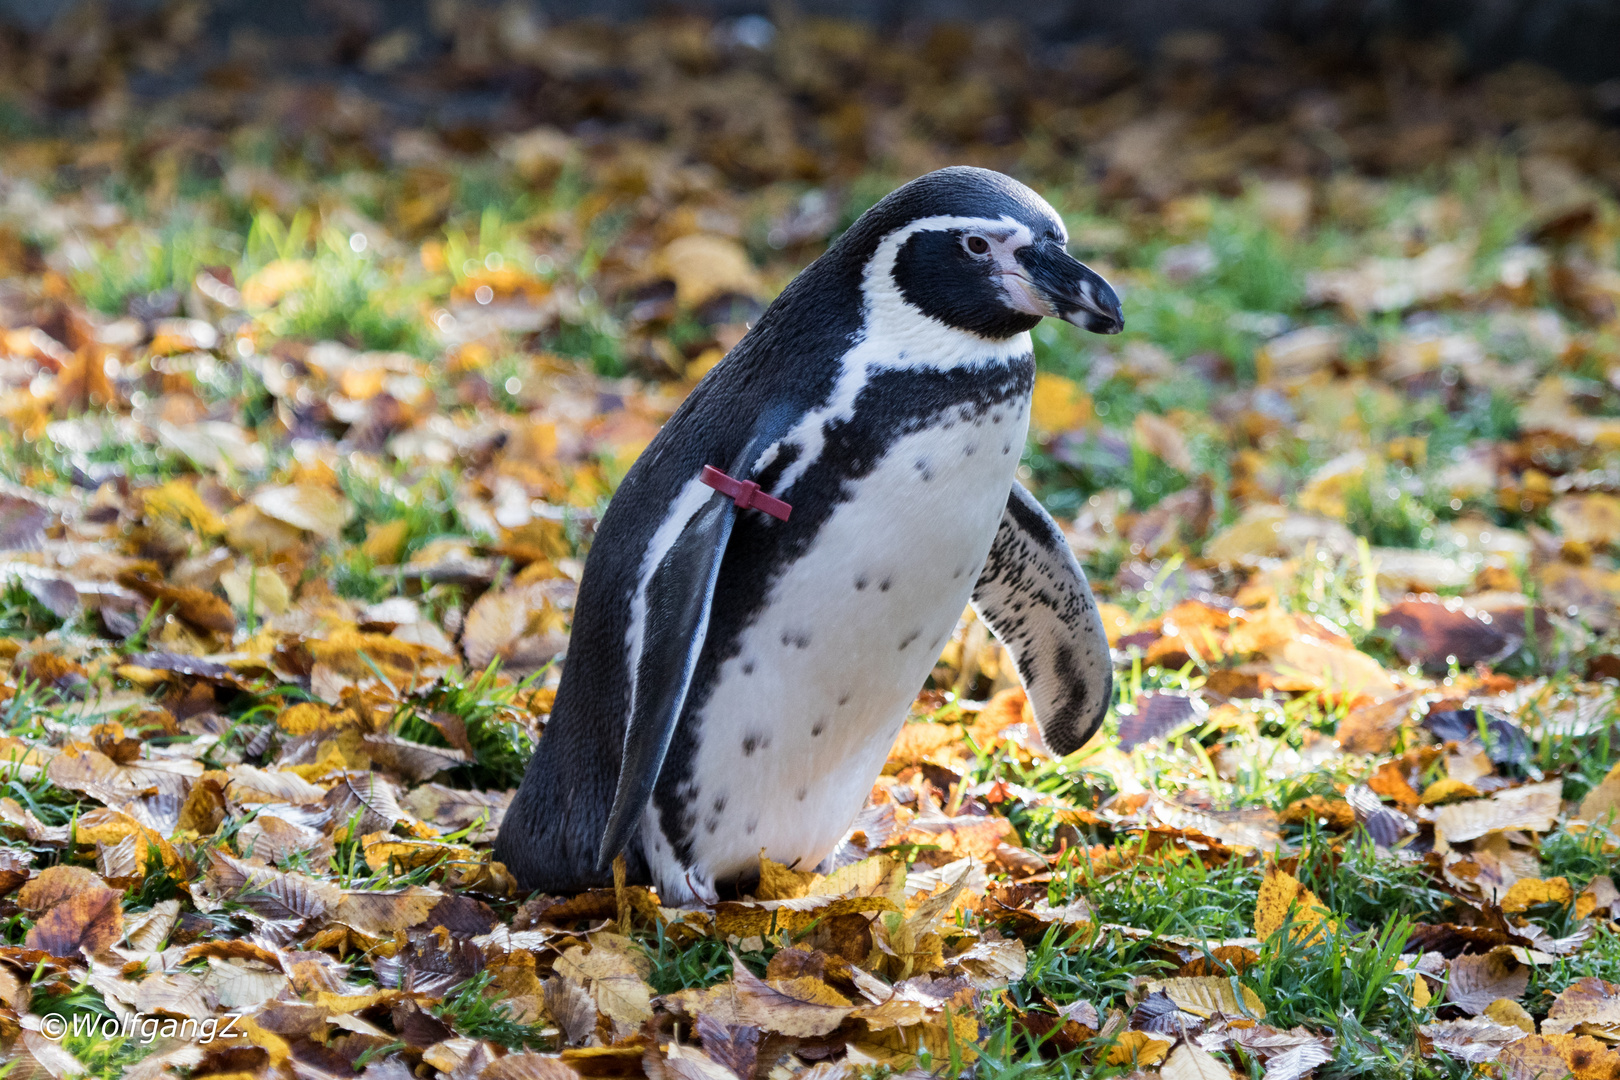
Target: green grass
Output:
[(501, 742), (145, 260), (426, 504), (1064, 966), (1580, 858), (1368, 888), (1169, 895), (475, 1013), (1598, 958), (1386, 511), (703, 963), (21, 615)]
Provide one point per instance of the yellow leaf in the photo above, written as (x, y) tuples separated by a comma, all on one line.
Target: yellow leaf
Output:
[(385, 541), (778, 882), (1603, 799), (178, 501), (1206, 995), (1058, 404), (276, 280), (1447, 789), (383, 850), (266, 1040), (1528, 892), (704, 267), (309, 717), (1511, 1013), (1137, 1047), (1281, 893)]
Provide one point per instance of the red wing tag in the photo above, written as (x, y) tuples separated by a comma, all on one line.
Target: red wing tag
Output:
[(745, 493)]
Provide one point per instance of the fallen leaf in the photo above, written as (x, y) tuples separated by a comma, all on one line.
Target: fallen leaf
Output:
[(1188, 1062), (307, 507), (1534, 807), (1283, 898), (89, 922), (616, 971), (1588, 1006), (1477, 980)]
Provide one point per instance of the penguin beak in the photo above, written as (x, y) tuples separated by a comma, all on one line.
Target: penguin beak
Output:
[(1050, 281)]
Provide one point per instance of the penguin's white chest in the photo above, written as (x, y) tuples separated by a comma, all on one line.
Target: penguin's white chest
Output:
[(801, 720)]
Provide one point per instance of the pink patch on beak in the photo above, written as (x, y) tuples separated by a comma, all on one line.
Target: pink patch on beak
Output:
[(1021, 295)]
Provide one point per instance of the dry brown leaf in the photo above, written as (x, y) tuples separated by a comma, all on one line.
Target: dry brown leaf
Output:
[(1533, 806), (570, 1006), (454, 810), (54, 885), (307, 507), (270, 893), (35, 1057), (704, 266), (1206, 995), (691, 1063), (1474, 1041), (1188, 1062), (415, 761), (1477, 980), (992, 965), (252, 785), (529, 1065), (521, 626), (384, 913), (278, 841), (177, 994), (1604, 799), (148, 931), (616, 970), (1587, 1006), (1537, 1057), (91, 922)]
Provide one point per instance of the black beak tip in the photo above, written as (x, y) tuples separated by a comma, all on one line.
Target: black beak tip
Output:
[(1105, 324)]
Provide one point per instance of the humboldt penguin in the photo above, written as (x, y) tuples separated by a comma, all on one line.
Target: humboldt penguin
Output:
[(773, 581)]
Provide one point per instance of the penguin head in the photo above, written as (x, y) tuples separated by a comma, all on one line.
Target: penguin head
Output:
[(980, 252)]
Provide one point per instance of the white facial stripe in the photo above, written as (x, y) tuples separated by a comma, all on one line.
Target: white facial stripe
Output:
[(692, 498), (897, 335)]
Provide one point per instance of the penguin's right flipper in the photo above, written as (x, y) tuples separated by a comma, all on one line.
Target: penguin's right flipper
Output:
[(676, 596), (1033, 596)]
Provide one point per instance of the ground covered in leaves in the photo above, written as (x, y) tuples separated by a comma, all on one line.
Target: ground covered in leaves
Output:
[(319, 359)]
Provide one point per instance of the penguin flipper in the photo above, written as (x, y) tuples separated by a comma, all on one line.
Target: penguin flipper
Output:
[(678, 592), (1033, 596)]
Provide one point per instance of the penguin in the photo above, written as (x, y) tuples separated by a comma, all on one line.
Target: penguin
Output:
[(774, 579)]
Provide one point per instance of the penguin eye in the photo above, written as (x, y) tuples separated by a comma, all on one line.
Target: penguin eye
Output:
[(977, 244)]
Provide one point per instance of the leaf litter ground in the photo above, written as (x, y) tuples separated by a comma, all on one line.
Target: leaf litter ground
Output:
[(313, 395)]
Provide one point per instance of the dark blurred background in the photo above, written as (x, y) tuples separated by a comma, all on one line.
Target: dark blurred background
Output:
[(1578, 38)]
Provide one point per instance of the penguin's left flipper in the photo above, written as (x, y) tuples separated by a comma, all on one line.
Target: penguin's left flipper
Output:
[(1033, 596), (678, 594)]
